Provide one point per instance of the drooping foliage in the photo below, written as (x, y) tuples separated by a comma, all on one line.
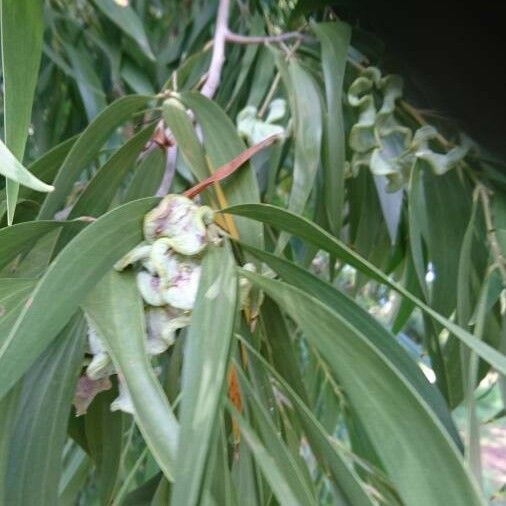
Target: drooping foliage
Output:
[(309, 326)]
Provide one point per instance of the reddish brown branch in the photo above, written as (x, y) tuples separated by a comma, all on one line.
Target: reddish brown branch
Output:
[(230, 167)]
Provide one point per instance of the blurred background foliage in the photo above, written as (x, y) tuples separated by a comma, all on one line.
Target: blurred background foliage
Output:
[(404, 188)]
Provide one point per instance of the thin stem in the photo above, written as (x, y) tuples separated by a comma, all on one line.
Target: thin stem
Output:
[(263, 39), (170, 168), (495, 248), (415, 113), (218, 56), (270, 94)]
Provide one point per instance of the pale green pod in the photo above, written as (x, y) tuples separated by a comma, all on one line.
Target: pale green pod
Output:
[(139, 253), (123, 402), (254, 129), (179, 275), (245, 285), (181, 290), (101, 365), (149, 288), (162, 323), (180, 220)]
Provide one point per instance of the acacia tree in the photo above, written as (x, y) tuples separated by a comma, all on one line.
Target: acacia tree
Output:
[(179, 325)]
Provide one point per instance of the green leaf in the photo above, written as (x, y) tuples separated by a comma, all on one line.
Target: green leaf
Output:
[(377, 335), (13, 294), (182, 128), (247, 60), (204, 369), (382, 406), (75, 472), (305, 105), (335, 39), (283, 354), (104, 435), (143, 494), (447, 206), (46, 167), (15, 239), (21, 31), (285, 462), (15, 172), (217, 487), (261, 77), (86, 148), (148, 175), (279, 483), (222, 143), (7, 418), (417, 225), (98, 195), (300, 227), (66, 283), (134, 469), (36, 447), (329, 456), (86, 78), (116, 309), (126, 18), (136, 78)]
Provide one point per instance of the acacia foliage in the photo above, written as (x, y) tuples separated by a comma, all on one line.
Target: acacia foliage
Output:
[(299, 395)]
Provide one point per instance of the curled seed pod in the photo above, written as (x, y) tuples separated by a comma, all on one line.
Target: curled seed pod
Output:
[(180, 221), (162, 323), (182, 286), (245, 285), (149, 286), (139, 253), (101, 365), (123, 402), (86, 390), (179, 275)]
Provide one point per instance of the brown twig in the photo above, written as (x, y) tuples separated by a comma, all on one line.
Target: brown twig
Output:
[(499, 260), (230, 167)]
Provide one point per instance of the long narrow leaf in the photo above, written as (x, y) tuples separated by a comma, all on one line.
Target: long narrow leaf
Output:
[(222, 143), (21, 31), (204, 369), (345, 478), (378, 335), (383, 406), (284, 220), (87, 146), (115, 307), (334, 39), (36, 448), (16, 173), (265, 460), (65, 285)]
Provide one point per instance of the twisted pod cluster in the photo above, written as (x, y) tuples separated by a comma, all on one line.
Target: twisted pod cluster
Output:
[(168, 263), (381, 143)]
